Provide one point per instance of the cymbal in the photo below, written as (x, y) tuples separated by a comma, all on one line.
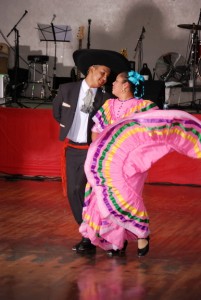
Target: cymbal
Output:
[(190, 26)]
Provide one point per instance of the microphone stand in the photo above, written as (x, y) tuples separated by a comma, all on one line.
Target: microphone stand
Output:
[(16, 67), (193, 64), (55, 58), (139, 49), (88, 39)]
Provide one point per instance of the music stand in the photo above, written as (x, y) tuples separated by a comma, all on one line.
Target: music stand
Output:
[(55, 33)]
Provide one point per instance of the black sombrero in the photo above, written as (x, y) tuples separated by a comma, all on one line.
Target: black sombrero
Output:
[(84, 58)]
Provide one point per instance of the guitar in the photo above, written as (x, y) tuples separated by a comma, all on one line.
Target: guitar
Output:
[(75, 73)]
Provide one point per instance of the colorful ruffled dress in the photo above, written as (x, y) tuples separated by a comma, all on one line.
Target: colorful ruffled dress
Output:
[(116, 167), (114, 109)]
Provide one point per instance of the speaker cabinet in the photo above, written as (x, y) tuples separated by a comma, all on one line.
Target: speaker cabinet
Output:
[(154, 90)]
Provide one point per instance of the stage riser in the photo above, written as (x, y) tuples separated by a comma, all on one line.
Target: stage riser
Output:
[(175, 96)]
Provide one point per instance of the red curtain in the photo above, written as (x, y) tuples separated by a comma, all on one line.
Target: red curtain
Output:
[(29, 145), (29, 142)]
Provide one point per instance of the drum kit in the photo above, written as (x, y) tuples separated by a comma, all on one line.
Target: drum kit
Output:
[(15, 81), (194, 60), (36, 61)]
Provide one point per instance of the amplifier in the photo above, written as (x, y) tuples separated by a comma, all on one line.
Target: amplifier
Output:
[(154, 90), (4, 80)]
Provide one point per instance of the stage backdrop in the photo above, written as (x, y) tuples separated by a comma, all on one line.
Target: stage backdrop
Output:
[(29, 145)]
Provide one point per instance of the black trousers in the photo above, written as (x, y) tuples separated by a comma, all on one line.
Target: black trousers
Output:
[(76, 180)]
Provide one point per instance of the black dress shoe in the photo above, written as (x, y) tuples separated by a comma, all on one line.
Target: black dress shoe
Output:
[(145, 250), (112, 253), (75, 247), (84, 246), (118, 252)]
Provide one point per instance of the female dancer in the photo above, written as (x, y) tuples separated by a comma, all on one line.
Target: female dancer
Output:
[(116, 167)]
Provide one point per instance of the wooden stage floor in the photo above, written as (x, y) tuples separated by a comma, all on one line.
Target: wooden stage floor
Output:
[(37, 232)]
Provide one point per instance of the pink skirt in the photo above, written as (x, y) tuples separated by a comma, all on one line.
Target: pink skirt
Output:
[(117, 166)]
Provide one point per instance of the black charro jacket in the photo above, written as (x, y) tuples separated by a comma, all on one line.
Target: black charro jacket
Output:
[(64, 107)]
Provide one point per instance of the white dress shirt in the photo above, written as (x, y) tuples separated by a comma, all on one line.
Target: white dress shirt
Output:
[(78, 130)]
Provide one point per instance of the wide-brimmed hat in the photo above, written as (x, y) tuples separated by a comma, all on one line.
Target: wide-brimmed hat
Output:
[(85, 58)]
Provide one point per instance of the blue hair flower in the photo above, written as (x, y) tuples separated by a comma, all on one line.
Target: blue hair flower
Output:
[(135, 78)]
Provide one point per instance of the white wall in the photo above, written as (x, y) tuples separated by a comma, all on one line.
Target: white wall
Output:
[(115, 24)]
